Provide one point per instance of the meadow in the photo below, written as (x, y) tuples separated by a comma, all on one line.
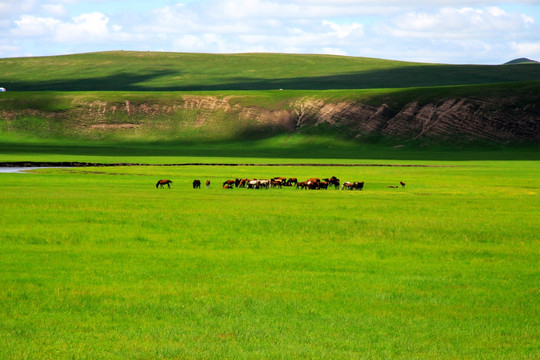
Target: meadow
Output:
[(99, 264), (96, 263)]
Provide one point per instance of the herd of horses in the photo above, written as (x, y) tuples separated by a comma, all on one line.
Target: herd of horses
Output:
[(280, 182)]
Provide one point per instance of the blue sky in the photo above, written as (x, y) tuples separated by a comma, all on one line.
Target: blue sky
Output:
[(438, 31)]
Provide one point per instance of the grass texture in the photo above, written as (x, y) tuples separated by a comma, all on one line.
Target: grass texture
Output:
[(99, 264), (155, 71)]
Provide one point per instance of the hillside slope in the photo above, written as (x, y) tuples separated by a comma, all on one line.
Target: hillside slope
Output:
[(506, 113), (141, 71), (209, 97)]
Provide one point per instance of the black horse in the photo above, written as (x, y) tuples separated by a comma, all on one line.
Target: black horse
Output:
[(196, 184)]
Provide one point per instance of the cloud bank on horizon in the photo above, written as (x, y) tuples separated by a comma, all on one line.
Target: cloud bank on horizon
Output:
[(442, 31)]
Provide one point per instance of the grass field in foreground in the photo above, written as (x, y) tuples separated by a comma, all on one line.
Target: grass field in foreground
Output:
[(98, 263)]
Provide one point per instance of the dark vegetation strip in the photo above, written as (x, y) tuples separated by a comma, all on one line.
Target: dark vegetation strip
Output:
[(88, 164)]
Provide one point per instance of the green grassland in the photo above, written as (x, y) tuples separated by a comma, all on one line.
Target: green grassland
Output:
[(98, 263), (136, 71)]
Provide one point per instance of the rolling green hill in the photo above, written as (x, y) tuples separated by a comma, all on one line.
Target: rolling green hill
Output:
[(150, 71), (211, 98)]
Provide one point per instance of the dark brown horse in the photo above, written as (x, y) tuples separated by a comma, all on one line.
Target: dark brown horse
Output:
[(229, 182), (334, 181), (162, 183), (196, 184), (292, 181), (402, 183)]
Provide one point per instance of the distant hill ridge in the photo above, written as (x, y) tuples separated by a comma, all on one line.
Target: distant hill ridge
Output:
[(520, 61)]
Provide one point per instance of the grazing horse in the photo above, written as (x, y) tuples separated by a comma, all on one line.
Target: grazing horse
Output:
[(196, 184), (292, 181), (357, 185), (276, 182), (402, 183), (334, 181), (301, 185), (163, 183), (227, 186), (346, 184), (207, 184), (243, 183), (228, 182)]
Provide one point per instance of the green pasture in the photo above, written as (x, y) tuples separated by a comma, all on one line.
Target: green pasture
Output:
[(158, 71), (96, 263)]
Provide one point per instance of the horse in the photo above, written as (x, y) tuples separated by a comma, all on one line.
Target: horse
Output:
[(228, 182), (333, 181), (291, 181), (242, 183), (358, 185), (301, 185), (163, 183), (276, 182), (252, 184), (207, 184), (227, 186), (346, 184), (323, 185), (196, 184), (402, 184)]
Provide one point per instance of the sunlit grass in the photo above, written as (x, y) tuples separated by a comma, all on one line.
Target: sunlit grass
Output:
[(98, 265)]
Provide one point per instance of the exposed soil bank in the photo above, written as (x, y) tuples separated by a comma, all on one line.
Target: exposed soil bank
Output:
[(35, 164)]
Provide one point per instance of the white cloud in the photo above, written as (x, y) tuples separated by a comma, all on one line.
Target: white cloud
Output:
[(54, 9), (452, 23), (342, 31), (32, 26), (438, 30), (86, 27), (526, 49)]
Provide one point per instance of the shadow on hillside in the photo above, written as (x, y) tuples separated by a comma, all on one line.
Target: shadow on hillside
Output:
[(399, 77)]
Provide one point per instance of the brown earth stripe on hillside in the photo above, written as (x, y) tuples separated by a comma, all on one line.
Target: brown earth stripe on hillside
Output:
[(87, 164)]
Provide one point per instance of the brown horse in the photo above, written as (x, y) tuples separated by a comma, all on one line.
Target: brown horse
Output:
[(333, 181), (402, 183), (229, 182), (207, 184), (292, 181), (196, 184), (162, 183)]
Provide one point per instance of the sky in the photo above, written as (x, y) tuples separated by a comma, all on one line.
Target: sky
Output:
[(435, 31)]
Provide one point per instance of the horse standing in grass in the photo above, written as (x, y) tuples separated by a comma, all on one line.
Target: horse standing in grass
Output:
[(162, 183), (292, 181), (196, 184), (208, 184)]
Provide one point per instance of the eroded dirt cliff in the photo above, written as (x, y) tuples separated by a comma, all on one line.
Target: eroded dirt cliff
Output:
[(465, 119)]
